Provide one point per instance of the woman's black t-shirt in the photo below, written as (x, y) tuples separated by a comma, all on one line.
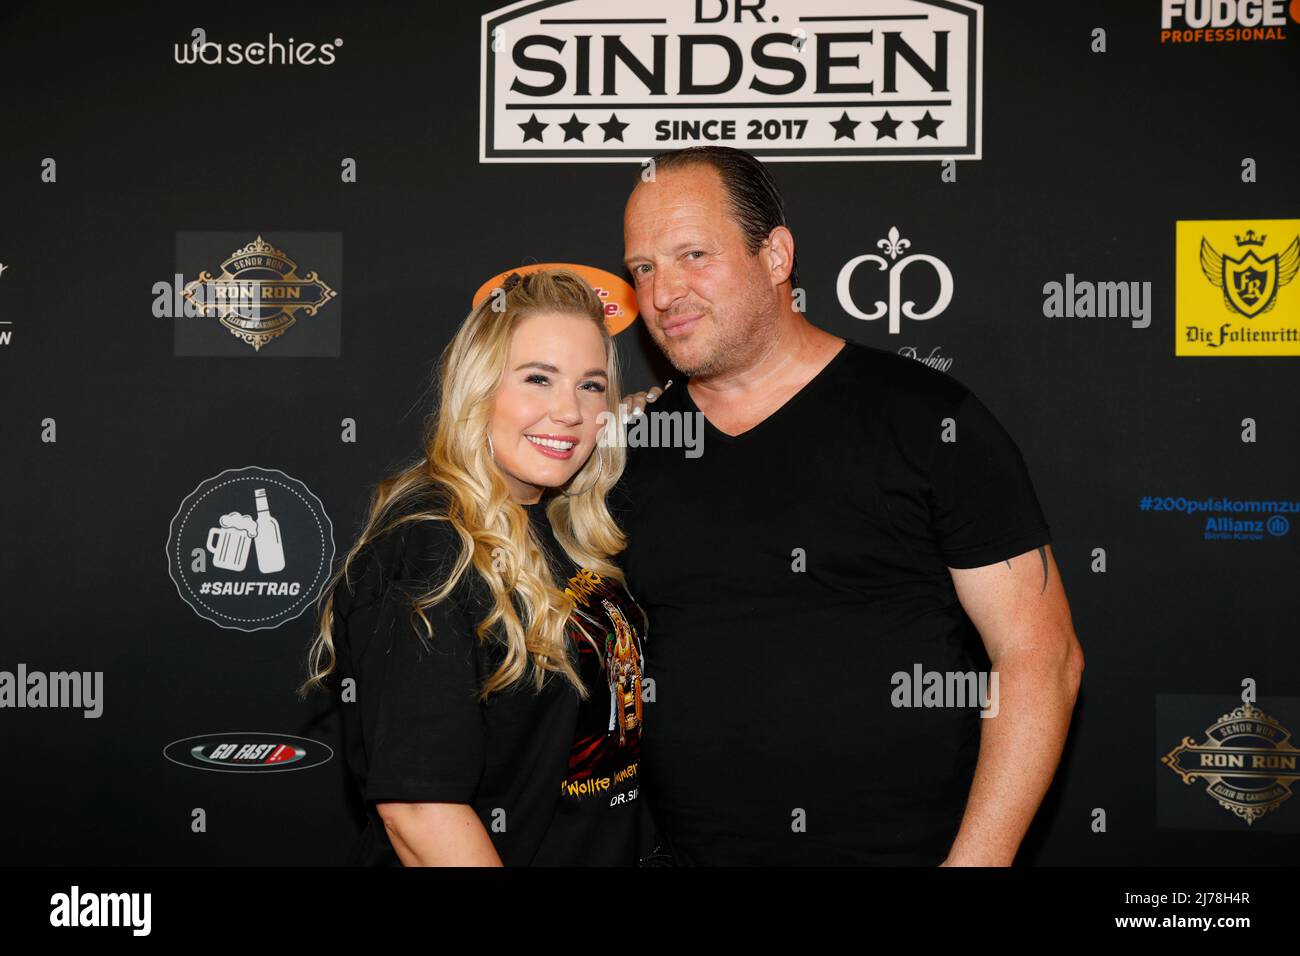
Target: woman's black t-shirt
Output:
[(554, 779)]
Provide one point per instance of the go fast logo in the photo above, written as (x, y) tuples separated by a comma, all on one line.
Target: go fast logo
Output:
[(248, 752)]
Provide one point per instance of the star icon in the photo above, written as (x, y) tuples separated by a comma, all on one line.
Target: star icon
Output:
[(844, 127), (927, 125), (573, 129), (613, 128), (533, 129), (886, 126)]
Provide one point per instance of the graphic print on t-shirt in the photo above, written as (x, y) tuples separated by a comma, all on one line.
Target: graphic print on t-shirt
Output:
[(606, 749)]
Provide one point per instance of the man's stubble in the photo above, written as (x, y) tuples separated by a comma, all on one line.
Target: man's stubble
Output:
[(738, 342)]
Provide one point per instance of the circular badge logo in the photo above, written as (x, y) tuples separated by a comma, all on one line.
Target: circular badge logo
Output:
[(250, 548)]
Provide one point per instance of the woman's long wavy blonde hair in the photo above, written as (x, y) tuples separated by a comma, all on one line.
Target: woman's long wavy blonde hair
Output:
[(530, 606)]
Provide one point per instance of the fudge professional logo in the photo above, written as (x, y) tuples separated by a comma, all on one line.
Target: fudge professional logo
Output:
[(894, 261), (1234, 289), (250, 548), (1247, 762), (1226, 21), (594, 81), (248, 753), (618, 297), (199, 50), (258, 293)]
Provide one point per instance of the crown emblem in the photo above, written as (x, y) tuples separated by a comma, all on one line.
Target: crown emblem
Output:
[(1250, 239)]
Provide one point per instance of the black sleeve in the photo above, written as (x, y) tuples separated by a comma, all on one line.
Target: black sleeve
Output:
[(426, 742), (983, 504)]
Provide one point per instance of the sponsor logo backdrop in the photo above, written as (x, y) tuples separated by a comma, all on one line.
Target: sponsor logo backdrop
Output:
[(232, 248)]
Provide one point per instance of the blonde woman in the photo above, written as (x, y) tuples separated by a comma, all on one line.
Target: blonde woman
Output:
[(484, 646)]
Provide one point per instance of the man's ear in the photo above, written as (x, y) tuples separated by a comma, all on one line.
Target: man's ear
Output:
[(779, 249)]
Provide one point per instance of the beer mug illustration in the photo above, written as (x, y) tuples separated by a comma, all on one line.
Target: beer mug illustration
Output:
[(230, 549)]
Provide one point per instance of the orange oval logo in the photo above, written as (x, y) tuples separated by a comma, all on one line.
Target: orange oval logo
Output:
[(616, 294)]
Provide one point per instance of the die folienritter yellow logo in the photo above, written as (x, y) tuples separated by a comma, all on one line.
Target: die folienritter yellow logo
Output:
[(258, 293), (1234, 290), (1247, 762)]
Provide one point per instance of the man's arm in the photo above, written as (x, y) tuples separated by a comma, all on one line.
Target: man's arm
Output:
[(1020, 610)]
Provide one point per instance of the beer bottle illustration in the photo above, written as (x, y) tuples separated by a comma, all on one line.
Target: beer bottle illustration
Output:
[(269, 546)]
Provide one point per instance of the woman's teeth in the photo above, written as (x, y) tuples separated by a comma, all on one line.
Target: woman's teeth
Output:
[(551, 443)]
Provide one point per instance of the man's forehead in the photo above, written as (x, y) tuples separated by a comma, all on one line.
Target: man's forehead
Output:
[(699, 179), (671, 209), (659, 209)]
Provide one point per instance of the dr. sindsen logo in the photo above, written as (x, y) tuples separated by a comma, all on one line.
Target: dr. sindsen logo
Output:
[(806, 80), (1247, 761), (258, 293)]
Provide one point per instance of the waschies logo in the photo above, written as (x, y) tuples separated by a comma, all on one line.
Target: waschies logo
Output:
[(1234, 290), (894, 259), (1246, 762), (618, 297), (271, 52), (593, 81), (248, 753), (1226, 21), (258, 293), (250, 548)]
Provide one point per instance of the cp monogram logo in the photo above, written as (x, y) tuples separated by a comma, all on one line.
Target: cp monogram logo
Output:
[(893, 246)]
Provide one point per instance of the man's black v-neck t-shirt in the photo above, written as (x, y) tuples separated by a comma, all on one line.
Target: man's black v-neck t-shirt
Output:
[(788, 573), (554, 779)]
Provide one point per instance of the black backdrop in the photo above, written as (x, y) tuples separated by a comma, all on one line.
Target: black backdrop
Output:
[(1088, 159)]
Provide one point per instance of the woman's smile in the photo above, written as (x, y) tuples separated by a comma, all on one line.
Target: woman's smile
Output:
[(554, 446)]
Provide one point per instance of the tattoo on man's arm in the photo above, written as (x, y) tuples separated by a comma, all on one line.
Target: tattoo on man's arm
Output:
[(1042, 553)]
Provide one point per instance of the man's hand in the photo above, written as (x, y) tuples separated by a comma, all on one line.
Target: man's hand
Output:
[(637, 401)]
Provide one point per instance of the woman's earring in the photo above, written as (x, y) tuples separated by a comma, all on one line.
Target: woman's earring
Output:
[(600, 470), (491, 451)]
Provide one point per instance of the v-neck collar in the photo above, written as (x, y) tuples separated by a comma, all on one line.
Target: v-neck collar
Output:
[(809, 386)]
